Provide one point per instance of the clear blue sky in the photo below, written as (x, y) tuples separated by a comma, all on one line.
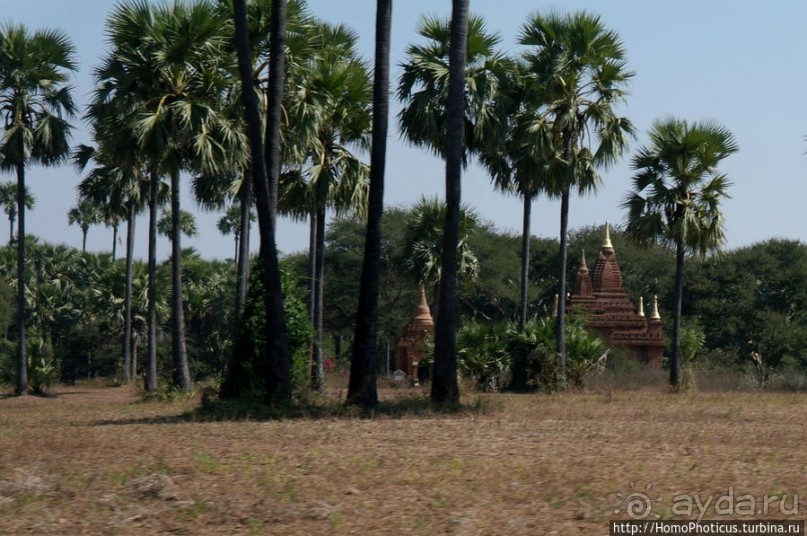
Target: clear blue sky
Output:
[(740, 62)]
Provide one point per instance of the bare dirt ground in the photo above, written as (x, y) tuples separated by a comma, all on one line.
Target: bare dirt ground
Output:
[(99, 461)]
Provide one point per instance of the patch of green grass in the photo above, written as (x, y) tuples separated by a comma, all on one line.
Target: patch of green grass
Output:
[(206, 460), (336, 519), (193, 512), (141, 469), (254, 526)]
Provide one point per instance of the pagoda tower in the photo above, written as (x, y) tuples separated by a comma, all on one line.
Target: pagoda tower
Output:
[(610, 313), (409, 351)]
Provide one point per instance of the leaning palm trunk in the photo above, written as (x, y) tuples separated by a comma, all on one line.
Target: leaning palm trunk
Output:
[(362, 389), (444, 383), (127, 300), (22, 366), (151, 366), (182, 377)]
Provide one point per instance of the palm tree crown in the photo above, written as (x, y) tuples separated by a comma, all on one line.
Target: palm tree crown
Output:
[(423, 86), (34, 99), (677, 187)]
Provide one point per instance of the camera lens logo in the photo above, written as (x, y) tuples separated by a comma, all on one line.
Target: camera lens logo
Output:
[(637, 504)]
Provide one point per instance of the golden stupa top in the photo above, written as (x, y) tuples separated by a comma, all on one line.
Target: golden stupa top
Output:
[(655, 315), (607, 243)]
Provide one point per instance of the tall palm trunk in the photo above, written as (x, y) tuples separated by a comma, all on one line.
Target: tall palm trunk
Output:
[(127, 300), (114, 242), (560, 322), (182, 376), (444, 383), (312, 267), (151, 367), (11, 218), (362, 388), (242, 254), (84, 230), (266, 175), (317, 370), (525, 260), (675, 358), (519, 382), (22, 366)]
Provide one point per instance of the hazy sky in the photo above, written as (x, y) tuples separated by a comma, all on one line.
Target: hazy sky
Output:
[(739, 62)]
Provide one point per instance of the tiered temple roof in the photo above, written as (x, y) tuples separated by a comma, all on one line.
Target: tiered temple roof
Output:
[(610, 312)]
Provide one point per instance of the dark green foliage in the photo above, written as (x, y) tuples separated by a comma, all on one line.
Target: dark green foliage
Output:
[(245, 377), (752, 299), (43, 365), (486, 353)]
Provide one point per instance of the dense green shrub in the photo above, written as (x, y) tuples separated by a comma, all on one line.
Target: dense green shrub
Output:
[(247, 370), (43, 367), (486, 353)]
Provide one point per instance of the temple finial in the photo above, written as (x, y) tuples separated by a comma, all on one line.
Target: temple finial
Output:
[(641, 306), (423, 314), (583, 259), (607, 243), (655, 315)]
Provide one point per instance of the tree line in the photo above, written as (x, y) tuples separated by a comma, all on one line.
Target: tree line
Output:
[(265, 105)]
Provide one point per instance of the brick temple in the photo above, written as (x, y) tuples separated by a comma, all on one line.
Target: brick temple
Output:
[(610, 312), (409, 351)]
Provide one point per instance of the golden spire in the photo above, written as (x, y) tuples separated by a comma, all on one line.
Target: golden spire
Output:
[(607, 243), (655, 315), (583, 264), (641, 306)]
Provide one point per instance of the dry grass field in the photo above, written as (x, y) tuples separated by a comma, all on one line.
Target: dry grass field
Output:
[(96, 460)]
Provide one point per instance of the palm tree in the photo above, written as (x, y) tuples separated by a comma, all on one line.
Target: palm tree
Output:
[(230, 223), (266, 172), (444, 379), (579, 71), (119, 190), (173, 59), (519, 160), (423, 244), (330, 112), (85, 214), (35, 103), (424, 85), (8, 199), (187, 224), (362, 389), (676, 196)]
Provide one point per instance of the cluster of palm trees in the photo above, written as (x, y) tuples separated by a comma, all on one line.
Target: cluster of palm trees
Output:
[(547, 122), (262, 103)]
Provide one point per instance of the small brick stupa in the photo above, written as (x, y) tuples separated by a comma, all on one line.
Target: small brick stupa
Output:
[(610, 312), (409, 351)]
